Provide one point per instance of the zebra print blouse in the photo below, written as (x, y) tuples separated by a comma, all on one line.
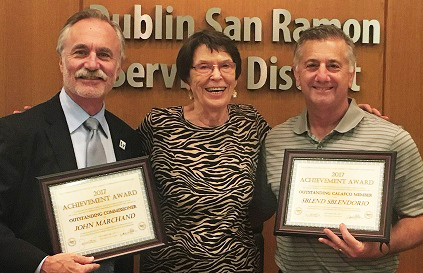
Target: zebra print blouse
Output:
[(205, 181)]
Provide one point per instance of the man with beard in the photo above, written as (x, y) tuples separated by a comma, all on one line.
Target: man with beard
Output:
[(52, 138)]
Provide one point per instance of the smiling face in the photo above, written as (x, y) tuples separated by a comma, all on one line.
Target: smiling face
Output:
[(211, 91), (324, 73), (90, 60)]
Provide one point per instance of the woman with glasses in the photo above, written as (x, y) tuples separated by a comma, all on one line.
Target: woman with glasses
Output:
[(204, 157)]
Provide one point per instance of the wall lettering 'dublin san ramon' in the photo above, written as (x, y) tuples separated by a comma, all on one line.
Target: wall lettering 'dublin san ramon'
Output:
[(166, 26)]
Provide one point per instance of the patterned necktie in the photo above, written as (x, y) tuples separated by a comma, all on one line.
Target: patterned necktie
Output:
[(95, 149)]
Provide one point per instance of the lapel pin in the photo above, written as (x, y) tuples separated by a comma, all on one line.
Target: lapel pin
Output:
[(122, 144)]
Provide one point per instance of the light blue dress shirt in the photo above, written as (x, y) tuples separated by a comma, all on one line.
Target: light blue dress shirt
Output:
[(75, 117)]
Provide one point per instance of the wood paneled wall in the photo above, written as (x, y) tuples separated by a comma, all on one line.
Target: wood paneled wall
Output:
[(403, 96), (390, 79), (29, 68)]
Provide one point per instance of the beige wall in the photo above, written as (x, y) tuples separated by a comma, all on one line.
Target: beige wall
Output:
[(390, 79)]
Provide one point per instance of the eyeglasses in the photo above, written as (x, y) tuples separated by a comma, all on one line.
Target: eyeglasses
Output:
[(224, 68)]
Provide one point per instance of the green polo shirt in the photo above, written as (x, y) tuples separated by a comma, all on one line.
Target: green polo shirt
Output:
[(357, 130)]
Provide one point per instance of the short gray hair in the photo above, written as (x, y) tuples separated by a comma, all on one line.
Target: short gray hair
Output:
[(89, 14), (322, 33)]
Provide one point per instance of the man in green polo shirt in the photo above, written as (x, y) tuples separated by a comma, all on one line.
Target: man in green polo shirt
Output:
[(324, 64)]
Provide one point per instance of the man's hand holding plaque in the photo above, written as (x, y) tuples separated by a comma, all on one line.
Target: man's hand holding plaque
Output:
[(351, 247), (68, 262)]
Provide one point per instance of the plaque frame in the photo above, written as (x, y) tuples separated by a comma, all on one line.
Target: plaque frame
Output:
[(72, 178), (290, 158)]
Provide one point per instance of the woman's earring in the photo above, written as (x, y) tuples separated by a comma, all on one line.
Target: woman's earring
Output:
[(234, 94), (190, 94)]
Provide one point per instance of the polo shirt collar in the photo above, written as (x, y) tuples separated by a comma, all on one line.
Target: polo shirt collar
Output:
[(352, 117)]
